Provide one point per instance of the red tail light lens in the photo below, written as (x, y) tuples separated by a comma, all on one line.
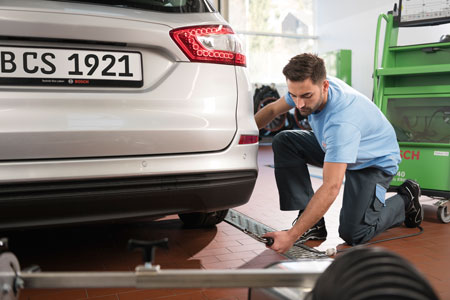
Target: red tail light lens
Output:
[(248, 139), (212, 44)]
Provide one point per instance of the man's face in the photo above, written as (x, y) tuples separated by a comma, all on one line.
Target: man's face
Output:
[(308, 97)]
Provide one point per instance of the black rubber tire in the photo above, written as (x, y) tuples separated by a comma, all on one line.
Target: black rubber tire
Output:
[(278, 123), (301, 121), (203, 220), (371, 274)]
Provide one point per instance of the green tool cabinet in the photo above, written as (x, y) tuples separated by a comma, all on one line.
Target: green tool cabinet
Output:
[(412, 88), (339, 64)]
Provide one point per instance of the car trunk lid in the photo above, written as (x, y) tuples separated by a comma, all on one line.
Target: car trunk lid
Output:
[(175, 107)]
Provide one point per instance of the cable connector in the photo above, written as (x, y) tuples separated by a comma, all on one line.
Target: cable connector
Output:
[(331, 251)]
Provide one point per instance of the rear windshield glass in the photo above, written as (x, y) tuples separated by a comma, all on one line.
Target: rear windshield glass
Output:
[(173, 6)]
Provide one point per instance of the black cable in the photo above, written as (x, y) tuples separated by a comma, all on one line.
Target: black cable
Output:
[(390, 239), (331, 252)]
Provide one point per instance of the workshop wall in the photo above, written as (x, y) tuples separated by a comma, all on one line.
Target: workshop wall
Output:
[(350, 24)]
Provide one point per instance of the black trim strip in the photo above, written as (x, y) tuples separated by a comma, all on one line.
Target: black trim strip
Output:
[(29, 190), (30, 204)]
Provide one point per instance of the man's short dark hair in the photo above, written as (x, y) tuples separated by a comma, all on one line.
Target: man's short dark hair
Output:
[(304, 66)]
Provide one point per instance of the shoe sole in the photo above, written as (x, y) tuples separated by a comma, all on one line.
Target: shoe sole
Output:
[(312, 238)]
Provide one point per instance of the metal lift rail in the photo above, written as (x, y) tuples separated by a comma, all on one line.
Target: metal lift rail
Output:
[(304, 279), (302, 276)]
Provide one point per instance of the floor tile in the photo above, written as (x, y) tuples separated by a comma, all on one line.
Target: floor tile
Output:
[(92, 293), (226, 294), (60, 294)]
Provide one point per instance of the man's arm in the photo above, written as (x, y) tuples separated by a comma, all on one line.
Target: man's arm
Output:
[(270, 111), (333, 175)]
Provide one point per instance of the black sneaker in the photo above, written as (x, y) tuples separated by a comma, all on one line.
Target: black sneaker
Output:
[(317, 232), (413, 210), (321, 221)]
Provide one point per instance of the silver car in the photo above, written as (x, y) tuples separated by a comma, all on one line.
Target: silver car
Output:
[(122, 108)]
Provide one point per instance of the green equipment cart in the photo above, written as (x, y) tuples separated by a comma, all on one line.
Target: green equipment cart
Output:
[(412, 88), (339, 64)]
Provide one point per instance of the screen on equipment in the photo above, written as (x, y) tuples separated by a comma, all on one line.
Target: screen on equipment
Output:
[(424, 12)]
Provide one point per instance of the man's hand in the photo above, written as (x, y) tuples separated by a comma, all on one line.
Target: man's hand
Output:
[(282, 240), (333, 174)]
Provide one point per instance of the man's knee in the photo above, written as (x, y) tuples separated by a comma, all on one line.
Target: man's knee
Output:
[(279, 141), (355, 235), (291, 139)]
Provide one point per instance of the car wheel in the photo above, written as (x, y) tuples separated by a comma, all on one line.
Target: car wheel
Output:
[(201, 219), (301, 121)]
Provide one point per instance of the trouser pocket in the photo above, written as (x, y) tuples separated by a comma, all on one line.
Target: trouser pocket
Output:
[(373, 211)]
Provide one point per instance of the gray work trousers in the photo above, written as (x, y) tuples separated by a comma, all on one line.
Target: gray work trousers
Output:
[(363, 215)]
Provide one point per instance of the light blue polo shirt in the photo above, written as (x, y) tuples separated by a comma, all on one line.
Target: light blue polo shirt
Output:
[(351, 129)]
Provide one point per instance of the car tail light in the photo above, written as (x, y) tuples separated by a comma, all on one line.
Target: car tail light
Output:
[(212, 43), (248, 139)]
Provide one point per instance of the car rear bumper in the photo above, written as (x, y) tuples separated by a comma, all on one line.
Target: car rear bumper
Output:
[(78, 201), (51, 192)]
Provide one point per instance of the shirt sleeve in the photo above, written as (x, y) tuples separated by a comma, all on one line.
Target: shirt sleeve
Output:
[(289, 100), (342, 143)]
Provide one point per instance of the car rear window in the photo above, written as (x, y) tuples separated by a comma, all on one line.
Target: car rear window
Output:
[(172, 6)]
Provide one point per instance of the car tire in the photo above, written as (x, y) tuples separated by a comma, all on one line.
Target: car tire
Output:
[(278, 123), (371, 273), (202, 220)]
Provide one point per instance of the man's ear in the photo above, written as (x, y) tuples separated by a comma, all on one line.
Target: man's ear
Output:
[(325, 86)]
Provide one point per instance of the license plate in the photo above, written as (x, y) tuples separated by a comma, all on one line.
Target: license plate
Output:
[(69, 67)]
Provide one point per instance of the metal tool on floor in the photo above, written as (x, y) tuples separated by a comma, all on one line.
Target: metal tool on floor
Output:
[(257, 229)]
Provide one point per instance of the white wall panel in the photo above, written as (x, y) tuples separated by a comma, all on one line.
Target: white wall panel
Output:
[(351, 24)]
